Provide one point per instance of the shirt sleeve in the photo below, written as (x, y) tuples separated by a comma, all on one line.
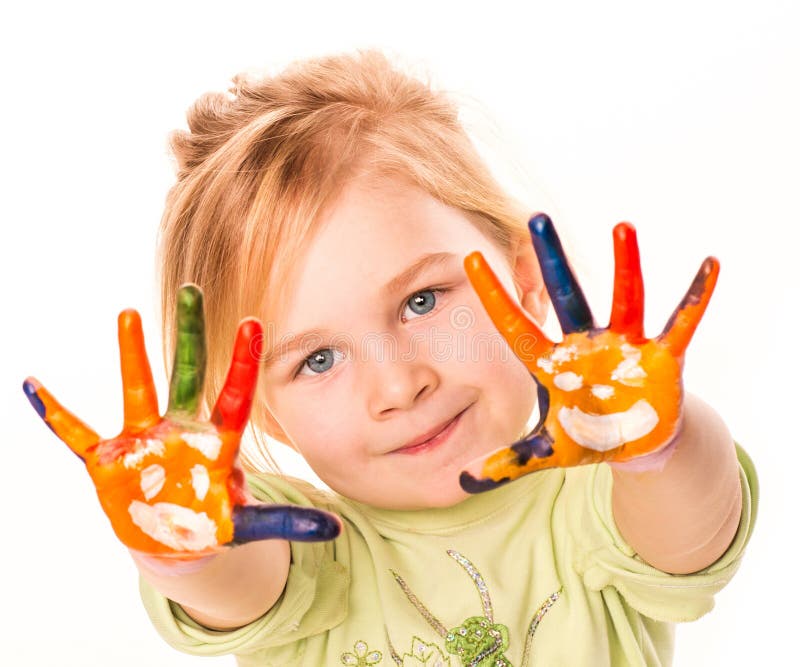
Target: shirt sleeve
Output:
[(604, 558), (314, 599)]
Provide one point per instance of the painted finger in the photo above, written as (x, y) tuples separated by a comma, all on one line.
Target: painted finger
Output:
[(565, 292), (236, 397), (71, 430), (627, 310), (508, 463), (284, 522), (682, 323), (189, 367), (525, 338), (138, 390)]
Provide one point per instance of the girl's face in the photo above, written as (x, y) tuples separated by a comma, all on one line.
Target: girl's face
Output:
[(399, 345)]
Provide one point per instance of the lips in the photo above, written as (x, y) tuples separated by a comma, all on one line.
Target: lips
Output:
[(429, 435)]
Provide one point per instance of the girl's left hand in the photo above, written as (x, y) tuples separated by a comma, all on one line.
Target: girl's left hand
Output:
[(605, 394)]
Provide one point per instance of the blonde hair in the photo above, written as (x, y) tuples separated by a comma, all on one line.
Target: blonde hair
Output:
[(259, 164)]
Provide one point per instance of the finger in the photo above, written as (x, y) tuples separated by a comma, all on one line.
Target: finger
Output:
[(189, 368), (71, 430), (523, 336), (236, 397), (627, 311), (682, 323), (138, 390), (508, 463), (284, 522), (571, 308)]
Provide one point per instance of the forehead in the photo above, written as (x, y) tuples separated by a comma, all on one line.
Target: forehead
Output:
[(375, 230)]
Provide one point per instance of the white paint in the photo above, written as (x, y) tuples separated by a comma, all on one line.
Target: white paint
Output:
[(568, 381), (629, 372), (562, 354), (207, 444), (151, 480), (604, 432), (546, 365), (200, 480), (150, 446), (603, 391), (177, 527)]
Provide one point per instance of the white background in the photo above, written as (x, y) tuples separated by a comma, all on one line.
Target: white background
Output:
[(681, 117)]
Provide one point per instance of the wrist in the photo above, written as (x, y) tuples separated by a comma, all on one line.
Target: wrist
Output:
[(171, 565), (656, 460), (653, 462)]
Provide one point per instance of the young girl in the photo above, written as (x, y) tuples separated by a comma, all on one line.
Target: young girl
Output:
[(336, 203)]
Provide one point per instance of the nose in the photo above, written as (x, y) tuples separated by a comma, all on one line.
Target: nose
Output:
[(398, 382)]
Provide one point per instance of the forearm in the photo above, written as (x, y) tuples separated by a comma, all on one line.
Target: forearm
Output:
[(227, 590), (683, 517)]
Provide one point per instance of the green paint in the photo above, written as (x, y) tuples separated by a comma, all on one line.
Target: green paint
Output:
[(189, 367)]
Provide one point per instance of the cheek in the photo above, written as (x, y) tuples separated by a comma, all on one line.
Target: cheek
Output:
[(507, 387), (480, 340), (323, 431), (491, 363)]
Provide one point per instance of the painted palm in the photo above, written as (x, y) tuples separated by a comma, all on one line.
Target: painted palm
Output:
[(605, 393), (171, 485)]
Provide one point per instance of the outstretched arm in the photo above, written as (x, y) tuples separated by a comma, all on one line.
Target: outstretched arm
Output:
[(172, 486), (225, 590), (682, 517), (611, 394)]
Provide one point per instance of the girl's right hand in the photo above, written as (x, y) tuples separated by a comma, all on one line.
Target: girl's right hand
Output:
[(171, 485)]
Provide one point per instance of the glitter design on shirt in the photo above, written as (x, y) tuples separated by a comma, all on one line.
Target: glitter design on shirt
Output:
[(478, 641)]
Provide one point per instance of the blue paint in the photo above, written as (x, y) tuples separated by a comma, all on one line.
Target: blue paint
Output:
[(571, 308), (539, 446), (284, 522), (692, 297), (33, 397), (36, 402), (472, 485), (543, 398)]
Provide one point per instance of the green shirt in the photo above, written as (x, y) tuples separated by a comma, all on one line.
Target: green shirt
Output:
[(534, 572)]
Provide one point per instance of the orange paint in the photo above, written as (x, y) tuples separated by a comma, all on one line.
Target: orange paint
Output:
[(176, 475), (614, 395)]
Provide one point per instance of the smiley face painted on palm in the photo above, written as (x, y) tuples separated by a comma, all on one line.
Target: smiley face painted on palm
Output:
[(171, 485), (609, 396), (606, 394)]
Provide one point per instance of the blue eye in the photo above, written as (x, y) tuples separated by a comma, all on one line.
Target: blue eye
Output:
[(424, 301), (321, 361)]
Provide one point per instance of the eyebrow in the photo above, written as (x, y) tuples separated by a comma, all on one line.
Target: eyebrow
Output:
[(423, 264)]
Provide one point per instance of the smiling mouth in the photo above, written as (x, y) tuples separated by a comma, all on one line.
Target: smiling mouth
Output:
[(435, 440), (604, 432)]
